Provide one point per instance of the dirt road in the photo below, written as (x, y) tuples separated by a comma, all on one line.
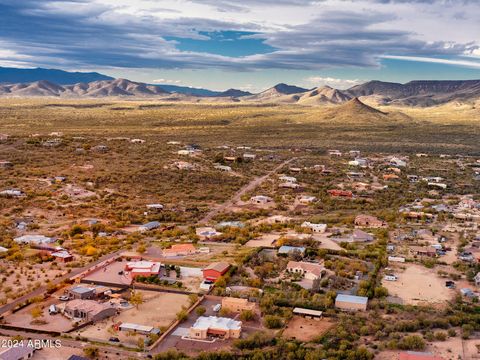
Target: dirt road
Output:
[(245, 189)]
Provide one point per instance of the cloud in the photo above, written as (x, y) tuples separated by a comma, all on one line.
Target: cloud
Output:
[(456, 62), (333, 82), (123, 34), (166, 81)]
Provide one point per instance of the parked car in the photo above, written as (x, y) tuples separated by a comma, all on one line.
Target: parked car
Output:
[(391, 277), (450, 284), (52, 310), (64, 298), (217, 307), (114, 339)]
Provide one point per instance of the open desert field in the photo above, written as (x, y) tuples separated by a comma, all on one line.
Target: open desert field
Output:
[(419, 285), (303, 329), (263, 125)]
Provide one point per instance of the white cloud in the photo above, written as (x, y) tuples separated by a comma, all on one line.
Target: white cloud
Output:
[(456, 62), (166, 81), (333, 82)]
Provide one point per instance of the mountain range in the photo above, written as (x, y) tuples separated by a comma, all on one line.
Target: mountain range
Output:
[(58, 83)]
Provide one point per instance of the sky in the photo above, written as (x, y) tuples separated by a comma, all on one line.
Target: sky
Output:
[(248, 44)]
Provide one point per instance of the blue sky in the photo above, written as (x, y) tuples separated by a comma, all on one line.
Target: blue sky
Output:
[(252, 44)]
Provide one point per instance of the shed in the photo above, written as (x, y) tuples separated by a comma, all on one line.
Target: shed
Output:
[(351, 302)]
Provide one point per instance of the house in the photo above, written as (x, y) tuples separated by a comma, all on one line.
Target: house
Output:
[(143, 268), (139, 329), (287, 250), (223, 167), (394, 161), (308, 313), (215, 270), (237, 304), (4, 164), (62, 256), (317, 228), (369, 221), (261, 199), (224, 328), (137, 141), (232, 224), (34, 239), (22, 351), (12, 193), (416, 355), (207, 232), (307, 199), (186, 152), (88, 310), (437, 185), (155, 207), (249, 156), (396, 259), (334, 153), (149, 226), (289, 185), (476, 279), (288, 179), (3, 249), (340, 193), (351, 302), (423, 251), (412, 178), (179, 250), (358, 162), (81, 292), (100, 148), (310, 271)]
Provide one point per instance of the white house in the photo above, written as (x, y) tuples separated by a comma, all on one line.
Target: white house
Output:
[(307, 199), (309, 270), (34, 239), (318, 228), (261, 199)]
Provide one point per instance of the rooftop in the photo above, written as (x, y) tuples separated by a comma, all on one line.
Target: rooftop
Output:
[(352, 299), (214, 322)]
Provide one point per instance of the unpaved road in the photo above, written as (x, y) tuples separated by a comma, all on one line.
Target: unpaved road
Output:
[(238, 195)]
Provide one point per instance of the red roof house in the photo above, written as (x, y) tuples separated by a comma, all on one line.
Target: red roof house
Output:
[(215, 270)]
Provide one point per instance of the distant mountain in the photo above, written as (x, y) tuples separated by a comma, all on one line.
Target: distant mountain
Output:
[(323, 95), (354, 111), (14, 76), (104, 88), (234, 93), (418, 93), (276, 92)]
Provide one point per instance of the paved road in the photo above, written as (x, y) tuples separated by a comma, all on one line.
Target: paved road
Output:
[(43, 289), (238, 195)]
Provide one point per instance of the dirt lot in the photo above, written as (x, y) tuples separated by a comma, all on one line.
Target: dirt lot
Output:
[(56, 322), (303, 329), (158, 310), (326, 242), (417, 284), (266, 240), (451, 349)]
